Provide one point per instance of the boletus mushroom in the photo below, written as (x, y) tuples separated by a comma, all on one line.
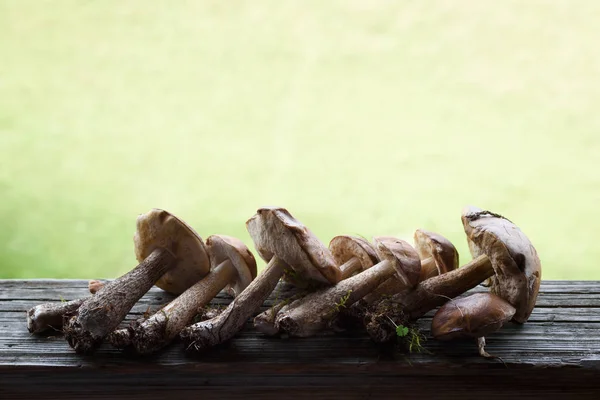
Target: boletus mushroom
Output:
[(233, 268), (52, 315), (352, 254), (517, 267), (171, 254), (474, 316), (438, 256), (285, 244), (312, 313), (501, 252)]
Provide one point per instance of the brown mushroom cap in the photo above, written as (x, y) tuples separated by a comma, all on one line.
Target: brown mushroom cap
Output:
[(471, 317), (275, 232), (345, 248), (160, 229), (222, 248), (441, 250), (403, 256), (515, 261)]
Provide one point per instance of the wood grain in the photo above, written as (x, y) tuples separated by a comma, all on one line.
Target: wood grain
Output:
[(555, 354)]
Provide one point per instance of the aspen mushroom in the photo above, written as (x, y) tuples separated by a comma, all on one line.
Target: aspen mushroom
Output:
[(352, 254), (171, 254), (438, 256), (517, 267), (284, 243), (474, 316), (233, 268), (52, 315), (307, 316)]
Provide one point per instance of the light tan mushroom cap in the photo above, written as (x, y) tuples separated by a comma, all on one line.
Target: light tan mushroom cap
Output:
[(344, 248), (441, 250), (471, 317), (276, 233), (516, 264), (404, 257), (158, 228), (222, 248)]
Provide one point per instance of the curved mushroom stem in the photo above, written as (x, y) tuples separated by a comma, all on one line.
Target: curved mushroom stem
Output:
[(161, 328), (102, 313), (310, 314), (231, 320), (52, 315)]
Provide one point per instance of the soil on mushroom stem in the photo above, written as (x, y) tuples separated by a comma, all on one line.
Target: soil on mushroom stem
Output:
[(385, 322)]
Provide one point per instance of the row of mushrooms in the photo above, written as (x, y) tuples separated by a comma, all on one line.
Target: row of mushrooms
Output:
[(379, 285)]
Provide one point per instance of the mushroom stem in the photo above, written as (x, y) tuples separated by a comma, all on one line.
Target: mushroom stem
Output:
[(436, 291), (428, 269), (310, 314), (265, 321), (102, 313), (52, 315), (231, 320), (350, 267), (161, 328), (393, 285)]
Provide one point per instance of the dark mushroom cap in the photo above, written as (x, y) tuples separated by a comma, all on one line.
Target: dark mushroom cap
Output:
[(403, 256), (516, 264), (160, 229), (222, 248), (440, 249), (473, 316), (344, 248), (276, 233)]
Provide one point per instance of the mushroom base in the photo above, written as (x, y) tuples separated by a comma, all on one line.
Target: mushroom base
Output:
[(223, 327), (51, 315), (102, 313)]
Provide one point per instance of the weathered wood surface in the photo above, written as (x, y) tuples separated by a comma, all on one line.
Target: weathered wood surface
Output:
[(557, 353)]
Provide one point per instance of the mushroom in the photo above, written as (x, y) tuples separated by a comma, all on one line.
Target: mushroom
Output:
[(474, 316), (312, 313), (95, 285), (233, 268), (438, 256), (501, 252), (285, 244), (353, 254), (52, 315), (517, 267), (437, 253), (171, 254)]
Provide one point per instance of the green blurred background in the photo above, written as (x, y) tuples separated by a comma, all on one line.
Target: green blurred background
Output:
[(364, 117)]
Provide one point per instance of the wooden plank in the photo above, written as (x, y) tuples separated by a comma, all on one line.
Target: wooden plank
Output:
[(562, 337)]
